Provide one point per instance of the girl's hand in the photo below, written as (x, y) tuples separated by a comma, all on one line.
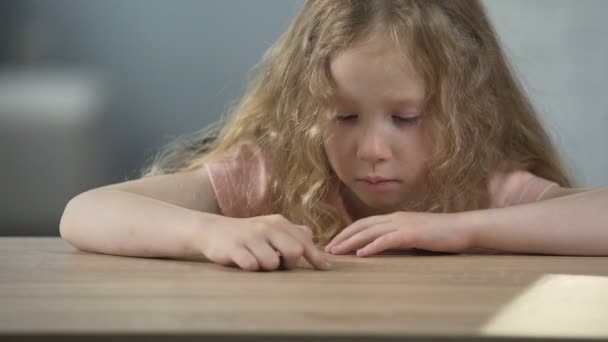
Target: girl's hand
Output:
[(259, 243), (439, 232)]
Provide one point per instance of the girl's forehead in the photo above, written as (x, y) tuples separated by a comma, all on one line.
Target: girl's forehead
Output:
[(378, 52), (375, 70)]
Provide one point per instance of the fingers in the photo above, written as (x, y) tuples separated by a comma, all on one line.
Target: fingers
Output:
[(306, 232), (315, 258), (245, 260), (395, 239), (355, 228), (289, 248), (290, 244), (362, 238), (311, 254), (266, 256), (274, 237)]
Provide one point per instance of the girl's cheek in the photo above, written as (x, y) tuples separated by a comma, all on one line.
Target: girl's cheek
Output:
[(344, 135)]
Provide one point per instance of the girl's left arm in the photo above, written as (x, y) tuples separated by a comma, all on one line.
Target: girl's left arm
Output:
[(565, 221)]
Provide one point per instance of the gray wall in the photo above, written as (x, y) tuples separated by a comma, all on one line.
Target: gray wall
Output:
[(152, 69), (169, 66), (560, 50)]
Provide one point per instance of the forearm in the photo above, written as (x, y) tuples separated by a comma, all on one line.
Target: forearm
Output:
[(570, 225), (122, 223)]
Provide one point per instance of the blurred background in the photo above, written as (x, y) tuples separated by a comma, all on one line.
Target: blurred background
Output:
[(89, 90)]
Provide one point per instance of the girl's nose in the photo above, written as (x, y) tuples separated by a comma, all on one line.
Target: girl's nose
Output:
[(373, 148)]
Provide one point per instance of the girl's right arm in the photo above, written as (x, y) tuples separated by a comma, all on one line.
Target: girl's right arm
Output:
[(177, 215)]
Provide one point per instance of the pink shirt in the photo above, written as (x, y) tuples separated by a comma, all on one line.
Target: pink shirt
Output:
[(240, 181)]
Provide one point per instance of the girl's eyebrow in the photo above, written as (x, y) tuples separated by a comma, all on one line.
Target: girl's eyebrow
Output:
[(406, 102)]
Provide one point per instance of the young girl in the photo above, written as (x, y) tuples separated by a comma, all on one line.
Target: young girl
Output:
[(371, 125)]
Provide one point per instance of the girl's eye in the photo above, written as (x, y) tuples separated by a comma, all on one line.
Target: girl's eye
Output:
[(400, 120), (406, 120), (346, 117)]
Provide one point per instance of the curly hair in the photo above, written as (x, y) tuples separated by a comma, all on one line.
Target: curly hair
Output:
[(479, 117)]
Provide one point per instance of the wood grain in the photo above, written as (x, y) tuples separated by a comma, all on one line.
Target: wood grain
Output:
[(49, 288)]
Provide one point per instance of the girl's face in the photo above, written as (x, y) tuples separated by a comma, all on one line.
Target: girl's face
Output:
[(376, 144)]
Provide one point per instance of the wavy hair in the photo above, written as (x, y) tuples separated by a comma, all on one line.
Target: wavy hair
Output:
[(479, 118)]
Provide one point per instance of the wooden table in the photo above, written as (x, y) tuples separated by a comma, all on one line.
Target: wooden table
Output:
[(49, 289)]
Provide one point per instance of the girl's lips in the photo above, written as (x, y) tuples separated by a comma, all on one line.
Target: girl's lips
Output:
[(379, 185), (376, 179)]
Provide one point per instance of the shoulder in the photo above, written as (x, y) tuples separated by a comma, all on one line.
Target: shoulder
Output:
[(246, 158), (519, 186), (240, 180), (245, 151), (512, 187)]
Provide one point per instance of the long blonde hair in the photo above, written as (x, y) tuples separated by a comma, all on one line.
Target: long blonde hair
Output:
[(479, 118)]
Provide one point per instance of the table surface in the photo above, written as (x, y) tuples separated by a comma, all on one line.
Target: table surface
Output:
[(48, 288)]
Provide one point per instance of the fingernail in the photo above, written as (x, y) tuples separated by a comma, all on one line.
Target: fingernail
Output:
[(326, 265)]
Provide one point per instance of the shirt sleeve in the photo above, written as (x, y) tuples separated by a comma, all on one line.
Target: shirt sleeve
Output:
[(517, 187), (240, 182)]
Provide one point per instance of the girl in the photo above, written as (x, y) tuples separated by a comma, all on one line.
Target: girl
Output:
[(371, 125)]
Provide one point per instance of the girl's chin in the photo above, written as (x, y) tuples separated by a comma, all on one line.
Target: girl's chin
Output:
[(371, 205), (380, 207)]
